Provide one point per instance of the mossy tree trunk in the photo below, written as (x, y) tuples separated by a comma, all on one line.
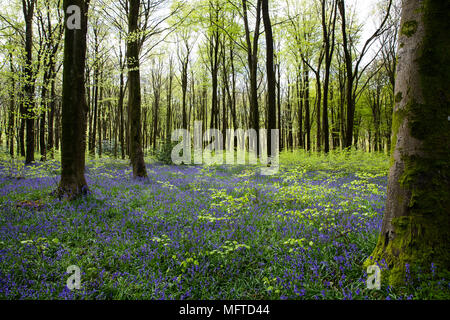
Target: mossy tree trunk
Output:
[(416, 224), (74, 107), (134, 92)]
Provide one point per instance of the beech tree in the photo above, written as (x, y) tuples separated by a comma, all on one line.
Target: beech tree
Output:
[(134, 92), (416, 222), (271, 82), (74, 107), (252, 59), (28, 7)]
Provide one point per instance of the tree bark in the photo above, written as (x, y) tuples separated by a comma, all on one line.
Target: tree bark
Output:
[(300, 108), (11, 109), (416, 222), (307, 113), (28, 103), (74, 107), (328, 29), (120, 107), (252, 59), (134, 96), (169, 101)]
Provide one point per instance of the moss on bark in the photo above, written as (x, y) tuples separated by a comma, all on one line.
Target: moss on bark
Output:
[(422, 235), (409, 28)]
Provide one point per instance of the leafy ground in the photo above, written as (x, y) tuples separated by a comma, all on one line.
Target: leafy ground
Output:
[(193, 232)]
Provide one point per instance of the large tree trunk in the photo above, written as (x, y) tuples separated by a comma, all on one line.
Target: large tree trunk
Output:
[(271, 81), (134, 93), (28, 104), (74, 107), (416, 223)]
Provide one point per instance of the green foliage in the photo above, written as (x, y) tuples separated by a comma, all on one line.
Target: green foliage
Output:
[(164, 152), (335, 160), (409, 28)]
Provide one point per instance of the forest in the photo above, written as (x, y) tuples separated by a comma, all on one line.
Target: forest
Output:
[(341, 190)]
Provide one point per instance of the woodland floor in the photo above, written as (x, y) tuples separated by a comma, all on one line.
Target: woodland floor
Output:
[(200, 232)]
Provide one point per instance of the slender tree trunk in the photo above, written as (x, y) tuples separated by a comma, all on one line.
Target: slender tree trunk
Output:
[(11, 109), (252, 59), (233, 89), (121, 117), (184, 84), (95, 111), (300, 108), (307, 112), (42, 143), (22, 130), (101, 124), (169, 101), (224, 96), (348, 139), (57, 127), (290, 138), (279, 126), (271, 81), (318, 110), (328, 37), (51, 114)]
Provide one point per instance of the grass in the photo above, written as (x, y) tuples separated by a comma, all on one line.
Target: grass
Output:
[(200, 232)]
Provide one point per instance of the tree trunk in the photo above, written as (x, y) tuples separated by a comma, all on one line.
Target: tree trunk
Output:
[(28, 104), (121, 120), (289, 136), (11, 109), (279, 105), (252, 59), (348, 139), (74, 107), (300, 108), (101, 124), (416, 222), (169, 100), (134, 96), (51, 113), (42, 143), (328, 29), (184, 83), (307, 113)]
